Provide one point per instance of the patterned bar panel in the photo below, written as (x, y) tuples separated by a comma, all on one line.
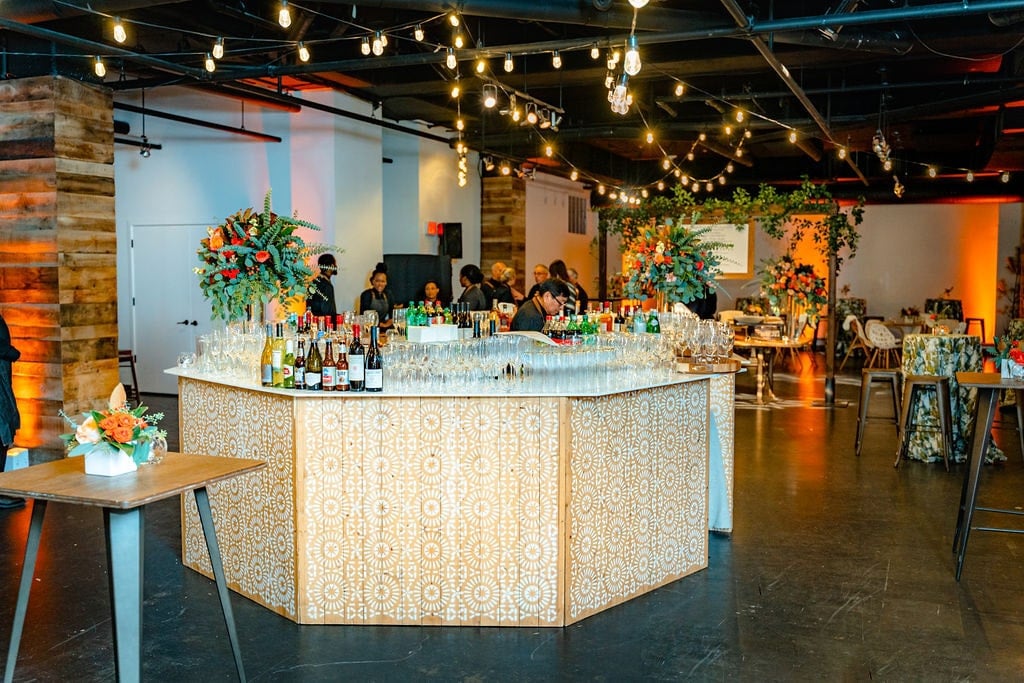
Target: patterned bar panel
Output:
[(723, 414), (454, 511)]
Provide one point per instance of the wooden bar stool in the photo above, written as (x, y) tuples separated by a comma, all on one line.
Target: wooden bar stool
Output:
[(126, 359), (868, 376), (971, 321), (912, 384)]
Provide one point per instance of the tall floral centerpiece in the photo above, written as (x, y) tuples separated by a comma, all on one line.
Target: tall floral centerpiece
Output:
[(793, 288), (252, 258), (669, 262)]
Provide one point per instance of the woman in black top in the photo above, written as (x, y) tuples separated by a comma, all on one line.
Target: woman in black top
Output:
[(321, 294), (558, 270), (470, 277), (10, 419), (377, 297)]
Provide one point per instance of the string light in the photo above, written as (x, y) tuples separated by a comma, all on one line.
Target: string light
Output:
[(456, 91), (649, 137), (792, 136), (284, 17), (210, 65), (549, 151), (841, 153), (365, 47), (574, 175), (481, 65), (932, 172), (119, 32), (490, 95), (218, 48), (887, 165), (450, 60), (638, 4), (970, 176), (666, 163), (99, 68), (459, 41), (595, 52), (739, 115), (509, 64), (460, 124), (679, 90), (556, 60), (600, 189), (1004, 177), (661, 185), (453, 19), (378, 44), (631, 63), (729, 168), (303, 52), (417, 33)]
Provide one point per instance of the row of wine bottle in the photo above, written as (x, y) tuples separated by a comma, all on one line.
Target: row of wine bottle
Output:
[(355, 369)]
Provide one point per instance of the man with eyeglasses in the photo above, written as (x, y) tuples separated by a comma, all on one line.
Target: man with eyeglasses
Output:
[(548, 300), (540, 274)]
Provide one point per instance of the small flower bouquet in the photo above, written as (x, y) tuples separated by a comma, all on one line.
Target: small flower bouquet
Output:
[(785, 282), (1009, 356), (910, 312), (115, 440), (672, 260)]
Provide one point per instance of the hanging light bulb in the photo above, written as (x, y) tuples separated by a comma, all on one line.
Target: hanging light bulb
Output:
[(709, 187), (549, 151), (932, 172), (218, 48), (460, 124), (689, 155), (666, 163), (970, 176), (303, 52), (119, 32), (384, 39), (509, 64), (458, 41), (462, 179), (450, 60), (887, 164), (417, 33), (490, 95), (210, 65), (460, 147), (99, 68), (481, 65), (841, 153), (679, 174), (365, 47), (453, 19), (556, 60), (1004, 177), (600, 189), (615, 195), (505, 168), (595, 53), (679, 89), (649, 137), (721, 180), (728, 129), (609, 80), (631, 63), (792, 136), (739, 152), (456, 90), (639, 4), (747, 134), (574, 175), (644, 193), (739, 115), (695, 187), (702, 137), (683, 178), (661, 185), (514, 110), (729, 168), (378, 44), (284, 17), (531, 113)]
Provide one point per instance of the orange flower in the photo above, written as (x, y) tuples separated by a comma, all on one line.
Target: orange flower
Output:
[(262, 256), (216, 240), (121, 434)]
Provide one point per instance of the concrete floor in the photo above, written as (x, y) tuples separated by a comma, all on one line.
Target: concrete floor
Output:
[(839, 568)]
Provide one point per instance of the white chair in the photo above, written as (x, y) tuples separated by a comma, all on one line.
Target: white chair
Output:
[(860, 341), (885, 342)]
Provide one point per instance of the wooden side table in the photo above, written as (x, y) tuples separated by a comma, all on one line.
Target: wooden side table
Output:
[(123, 499)]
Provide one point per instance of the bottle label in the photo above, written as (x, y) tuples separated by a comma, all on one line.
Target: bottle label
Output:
[(276, 356), (268, 375), (313, 381), (342, 379), (374, 380), (356, 371), (300, 377), (328, 377)]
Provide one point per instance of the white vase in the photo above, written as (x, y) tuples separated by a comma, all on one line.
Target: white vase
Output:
[(107, 461)]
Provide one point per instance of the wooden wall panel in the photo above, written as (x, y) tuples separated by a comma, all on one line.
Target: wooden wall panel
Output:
[(58, 246), (503, 225)]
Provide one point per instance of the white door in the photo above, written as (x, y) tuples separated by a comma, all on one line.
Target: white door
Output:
[(168, 308)]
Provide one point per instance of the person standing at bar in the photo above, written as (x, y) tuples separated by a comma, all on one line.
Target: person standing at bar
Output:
[(550, 298), (377, 297), (10, 419), (320, 301), (470, 277), (558, 270)]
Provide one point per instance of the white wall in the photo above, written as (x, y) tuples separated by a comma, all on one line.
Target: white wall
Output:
[(547, 231)]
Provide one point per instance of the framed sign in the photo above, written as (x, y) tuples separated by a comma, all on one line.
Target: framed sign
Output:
[(737, 257)]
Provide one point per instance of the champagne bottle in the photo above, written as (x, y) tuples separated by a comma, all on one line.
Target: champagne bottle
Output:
[(356, 362), (300, 365), (266, 360), (314, 367), (329, 370), (341, 383), (277, 357), (495, 316), (288, 365), (374, 364)]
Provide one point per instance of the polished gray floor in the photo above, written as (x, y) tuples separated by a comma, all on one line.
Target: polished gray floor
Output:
[(839, 568)]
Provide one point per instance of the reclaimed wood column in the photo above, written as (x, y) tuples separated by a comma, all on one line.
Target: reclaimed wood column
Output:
[(58, 286), (503, 226)]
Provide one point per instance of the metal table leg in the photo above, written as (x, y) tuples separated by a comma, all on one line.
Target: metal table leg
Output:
[(206, 517), (35, 528), (124, 530), (969, 494)]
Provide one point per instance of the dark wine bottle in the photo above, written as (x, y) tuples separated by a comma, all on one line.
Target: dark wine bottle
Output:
[(356, 362), (374, 364)]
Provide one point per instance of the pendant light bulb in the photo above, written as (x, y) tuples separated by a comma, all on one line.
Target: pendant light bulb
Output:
[(595, 52), (887, 164), (453, 19), (210, 65), (99, 68), (450, 60), (458, 41), (303, 52), (460, 124), (638, 4), (509, 64), (284, 17), (218, 48), (842, 153), (649, 137), (661, 185), (378, 44), (679, 89), (1004, 177), (481, 65), (490, 95), (119, 32), (549, 151), (456, 91), (600, 189), (365, 47), (729, 168), (970, 176), (631, 62), (556, 60), (792, 136), (574, 175), (417, 33)]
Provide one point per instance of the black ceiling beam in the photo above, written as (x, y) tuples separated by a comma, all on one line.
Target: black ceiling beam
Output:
[(178, 118)]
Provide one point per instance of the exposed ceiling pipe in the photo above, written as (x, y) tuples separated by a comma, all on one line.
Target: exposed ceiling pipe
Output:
[(35, 11), (195, 122), (578, 13)]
